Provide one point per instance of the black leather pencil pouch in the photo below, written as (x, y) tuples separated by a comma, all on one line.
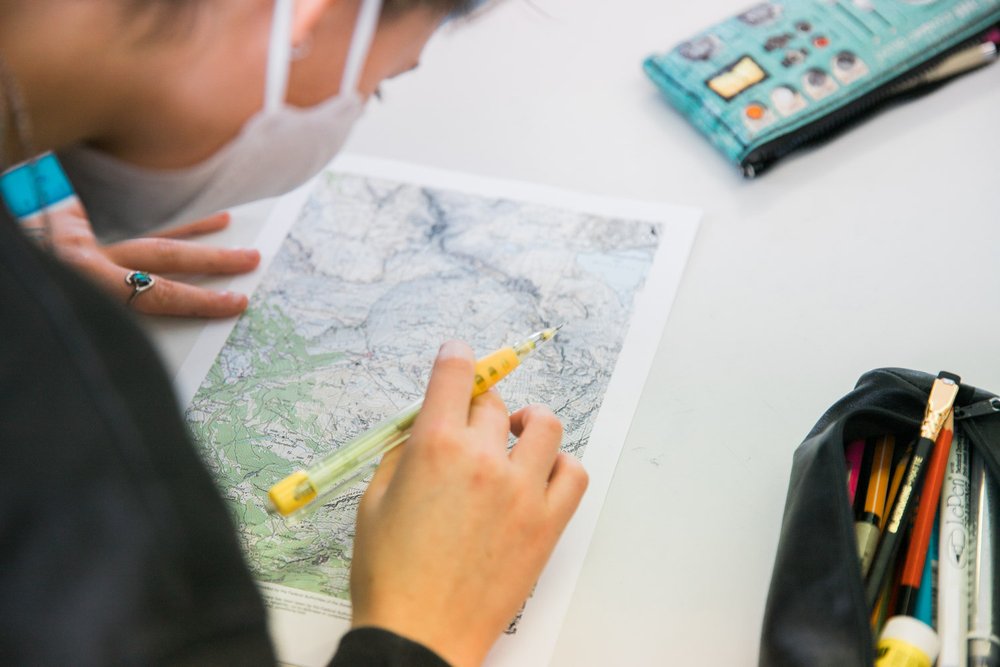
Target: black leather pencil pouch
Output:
[(816, 612)]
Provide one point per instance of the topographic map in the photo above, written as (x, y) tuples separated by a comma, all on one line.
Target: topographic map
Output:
[(344, 326)]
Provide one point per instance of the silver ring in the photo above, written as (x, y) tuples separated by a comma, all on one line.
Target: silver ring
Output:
[(139, 281)]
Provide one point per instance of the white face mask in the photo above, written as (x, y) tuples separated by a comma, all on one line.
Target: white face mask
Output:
[(278, 149)]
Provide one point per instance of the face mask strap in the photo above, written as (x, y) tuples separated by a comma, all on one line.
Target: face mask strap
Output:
[(279, 55), (361, 41)]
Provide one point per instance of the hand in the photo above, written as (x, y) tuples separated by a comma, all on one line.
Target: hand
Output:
[(73, 242), (453, 531)]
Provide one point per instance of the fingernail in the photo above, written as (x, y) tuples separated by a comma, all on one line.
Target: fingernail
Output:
[(249, 253), (454, 348)]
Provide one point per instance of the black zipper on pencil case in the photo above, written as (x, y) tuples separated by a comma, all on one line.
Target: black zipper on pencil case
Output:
[(860, 109), (966, 420)]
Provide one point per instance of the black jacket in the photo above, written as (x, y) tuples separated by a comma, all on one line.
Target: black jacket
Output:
[(115, 547)]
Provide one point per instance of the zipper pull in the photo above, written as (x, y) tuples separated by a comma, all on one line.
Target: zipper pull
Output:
[(987, 407)]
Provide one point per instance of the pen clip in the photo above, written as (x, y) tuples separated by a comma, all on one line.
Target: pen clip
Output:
[(939, 404), (980, 409)]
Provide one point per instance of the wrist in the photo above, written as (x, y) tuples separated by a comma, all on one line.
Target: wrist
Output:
[(455, 645), (371, 646)]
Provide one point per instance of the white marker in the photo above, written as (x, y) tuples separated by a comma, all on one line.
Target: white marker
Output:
[(953, 557)]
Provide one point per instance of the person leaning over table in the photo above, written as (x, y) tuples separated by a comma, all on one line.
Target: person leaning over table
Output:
[(167, 111), (115, 546)]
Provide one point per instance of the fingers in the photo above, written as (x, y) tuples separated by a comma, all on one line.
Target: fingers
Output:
[(567, 483), (172, 256), (446, 404), (539, 436), (517, 421), (488, 416), (168, 255), (212, 223), (167, 297), (537, 451), (74, 242), (383, 476)]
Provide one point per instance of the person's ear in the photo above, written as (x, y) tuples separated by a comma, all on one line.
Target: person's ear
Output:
[(307, 15)]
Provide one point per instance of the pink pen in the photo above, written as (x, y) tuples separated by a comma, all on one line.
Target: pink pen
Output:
[(854, 454)]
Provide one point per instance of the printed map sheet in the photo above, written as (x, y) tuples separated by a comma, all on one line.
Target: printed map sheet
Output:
[(375, 265)]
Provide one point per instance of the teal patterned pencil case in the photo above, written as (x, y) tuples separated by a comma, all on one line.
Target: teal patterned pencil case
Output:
[(785, 74)]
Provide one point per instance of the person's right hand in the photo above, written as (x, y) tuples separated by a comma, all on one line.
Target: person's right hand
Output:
[(453, 530)]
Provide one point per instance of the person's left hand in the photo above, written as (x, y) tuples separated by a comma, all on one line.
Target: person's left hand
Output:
[(73, 241)]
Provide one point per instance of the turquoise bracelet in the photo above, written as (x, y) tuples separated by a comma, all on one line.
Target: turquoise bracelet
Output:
[(35, 185)]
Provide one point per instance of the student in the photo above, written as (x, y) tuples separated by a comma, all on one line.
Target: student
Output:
[(165, 111), (116, 547)]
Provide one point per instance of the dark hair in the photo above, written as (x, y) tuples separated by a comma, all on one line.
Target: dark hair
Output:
[(393, 8)]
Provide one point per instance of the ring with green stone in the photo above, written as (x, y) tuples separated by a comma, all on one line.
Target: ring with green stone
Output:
[(139, 281)]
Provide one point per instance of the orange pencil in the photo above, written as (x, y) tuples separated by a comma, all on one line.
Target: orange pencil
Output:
[(897, 481), (913, 567), (867, 527)]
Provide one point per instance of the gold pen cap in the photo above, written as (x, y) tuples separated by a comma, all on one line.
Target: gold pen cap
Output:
[(939, 404)]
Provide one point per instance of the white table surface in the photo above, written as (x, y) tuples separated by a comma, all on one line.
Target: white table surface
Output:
[(878, 249)]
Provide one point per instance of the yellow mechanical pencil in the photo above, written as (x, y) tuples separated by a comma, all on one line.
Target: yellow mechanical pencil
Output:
[(306, 489)]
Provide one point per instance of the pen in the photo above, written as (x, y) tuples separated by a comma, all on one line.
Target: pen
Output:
[(906, 642), (984, 644), (867, 528), (923, 607), (897, 478), (888, 594), (953, 558), (962, 61), (939, 405), (339, 469), (881, 611), (913, 567)]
